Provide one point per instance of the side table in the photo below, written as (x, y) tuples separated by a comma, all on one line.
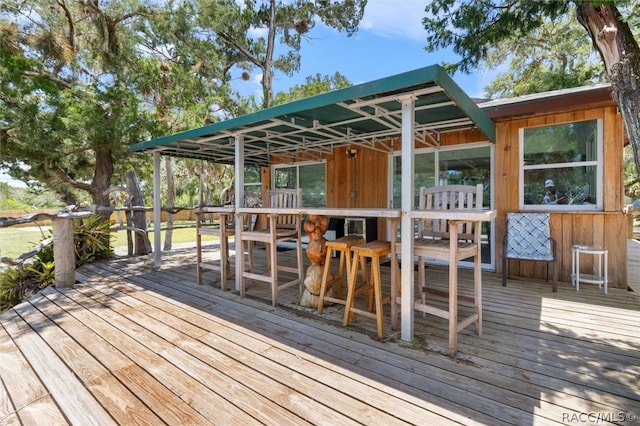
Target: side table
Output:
[(600, 278)]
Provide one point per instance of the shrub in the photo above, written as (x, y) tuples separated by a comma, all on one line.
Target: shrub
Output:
[(91, 242)]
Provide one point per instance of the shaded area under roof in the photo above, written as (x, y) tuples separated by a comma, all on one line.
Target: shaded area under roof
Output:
[(365, 115)]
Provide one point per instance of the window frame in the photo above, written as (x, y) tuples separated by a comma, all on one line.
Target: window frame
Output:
[(297, 166), (599, 163)]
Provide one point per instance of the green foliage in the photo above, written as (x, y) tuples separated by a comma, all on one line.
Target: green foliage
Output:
[(93, 77), (474, 28), (314, 85), (92, 239), (556, 55), (27, 198), (16, 284), (91, 242), (280, 27)]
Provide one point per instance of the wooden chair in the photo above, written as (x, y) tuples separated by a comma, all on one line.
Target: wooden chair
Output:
[(280, 227), (223, 230), (528, 238), (452, 241)]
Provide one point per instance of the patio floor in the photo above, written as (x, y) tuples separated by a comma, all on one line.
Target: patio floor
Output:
[(130, 345)]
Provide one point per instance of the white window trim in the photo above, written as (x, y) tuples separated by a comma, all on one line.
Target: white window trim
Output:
[(297, 166), (599, 163)]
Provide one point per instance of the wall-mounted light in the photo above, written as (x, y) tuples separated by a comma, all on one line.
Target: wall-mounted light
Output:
[(351, 153)]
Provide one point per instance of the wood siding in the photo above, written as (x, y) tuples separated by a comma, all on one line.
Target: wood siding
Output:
[(606, 228)]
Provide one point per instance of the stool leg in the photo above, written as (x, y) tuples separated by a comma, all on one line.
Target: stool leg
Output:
[(325, 277), (341, 263), (377, 288), (351, 289)]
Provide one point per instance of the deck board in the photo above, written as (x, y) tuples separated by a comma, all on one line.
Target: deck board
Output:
[(132, 345)]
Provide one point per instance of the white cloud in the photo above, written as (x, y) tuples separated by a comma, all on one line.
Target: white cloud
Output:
[(395, 18)]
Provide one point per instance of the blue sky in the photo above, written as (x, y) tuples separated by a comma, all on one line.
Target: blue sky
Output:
[(390, 41)]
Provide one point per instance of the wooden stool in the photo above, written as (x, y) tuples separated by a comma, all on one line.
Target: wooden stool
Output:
[(342, 245), (372, 250)]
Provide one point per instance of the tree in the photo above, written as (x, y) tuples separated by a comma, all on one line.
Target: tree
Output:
[(474, 28), (314, 85), (59, 117), (557, 55), (234, 23), (81, 80)]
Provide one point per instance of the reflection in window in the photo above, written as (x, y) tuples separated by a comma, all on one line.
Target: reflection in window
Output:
[(310, 177), (562, 162), (252, 186)]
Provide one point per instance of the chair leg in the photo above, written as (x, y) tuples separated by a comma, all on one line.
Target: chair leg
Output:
[(453, 307), (477, 289), (224, 260), (250, 254), (377, 289), (422, 283), (272, 250)]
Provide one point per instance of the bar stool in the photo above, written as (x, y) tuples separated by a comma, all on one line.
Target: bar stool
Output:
[(342, 245), (372, 250)]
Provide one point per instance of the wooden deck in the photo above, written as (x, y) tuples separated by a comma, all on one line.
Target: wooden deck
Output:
[(129, 345)]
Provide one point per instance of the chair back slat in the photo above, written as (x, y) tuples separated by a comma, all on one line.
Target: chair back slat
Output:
[(286, 198), (448, 197)]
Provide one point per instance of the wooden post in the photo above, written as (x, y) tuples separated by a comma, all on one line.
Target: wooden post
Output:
[(63, 252)]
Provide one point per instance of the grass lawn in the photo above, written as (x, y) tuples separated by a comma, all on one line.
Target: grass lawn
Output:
[(17, 240)]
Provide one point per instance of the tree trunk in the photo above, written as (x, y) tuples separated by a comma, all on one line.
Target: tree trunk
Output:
[(142, 242), (171, 201), (267, 64), (102, 178), (620, 53)]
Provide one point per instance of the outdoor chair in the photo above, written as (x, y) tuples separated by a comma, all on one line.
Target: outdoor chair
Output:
[(280, 227), (528, 237), (452, 241), (223, 230)]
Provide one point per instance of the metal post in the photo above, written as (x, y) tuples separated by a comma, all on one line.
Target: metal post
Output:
[(406, 230)]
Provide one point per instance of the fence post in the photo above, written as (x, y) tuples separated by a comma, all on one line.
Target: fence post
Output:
[(63, 251)]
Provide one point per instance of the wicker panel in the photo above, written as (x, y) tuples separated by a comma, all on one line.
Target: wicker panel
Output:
[(528, 236)]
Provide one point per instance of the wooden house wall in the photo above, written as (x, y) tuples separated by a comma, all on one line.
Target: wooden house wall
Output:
[(367, 175), (606, 228)]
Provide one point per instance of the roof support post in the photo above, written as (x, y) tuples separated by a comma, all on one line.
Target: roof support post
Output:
[(239, 202), (157, 210), (406, 232)]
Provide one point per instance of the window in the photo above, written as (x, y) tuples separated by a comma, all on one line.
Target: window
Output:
[(466, 164), (252, 186), (561, 166), (310, 177)]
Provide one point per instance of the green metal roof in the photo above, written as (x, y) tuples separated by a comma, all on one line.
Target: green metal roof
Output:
[(365, 114)]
